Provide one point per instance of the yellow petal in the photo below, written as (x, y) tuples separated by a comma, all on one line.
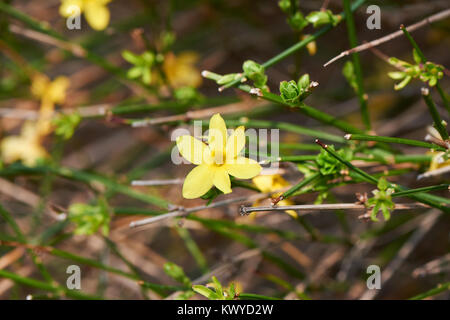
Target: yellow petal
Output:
[(292, 213), (39, 85), (222, 180), (57, 89), (194, 150), (217, 137), (97, 15), (243, 168), (264, 182), (67, 7), (235, 143), (198, 182)]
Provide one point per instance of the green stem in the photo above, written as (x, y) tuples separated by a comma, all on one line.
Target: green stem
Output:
[(430, 200), (305, 109), (443, 97), (46, 286), (87, 178), (410, 142), (423, 189), (362, 97), (440, 288), (298, 186), (434, 114), (291, 50), (288, 127), (424, 60), (252, 296)]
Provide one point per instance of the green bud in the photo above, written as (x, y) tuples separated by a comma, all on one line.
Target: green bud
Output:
[(285, 5), (402, 84), (227, 78), (289, 91), (397, 75), (255, 72), (320, 18), (304, 81), (297, 21)]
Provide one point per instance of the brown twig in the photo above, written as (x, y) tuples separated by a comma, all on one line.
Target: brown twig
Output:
[(433, 18), (242, 106), (331, 206)]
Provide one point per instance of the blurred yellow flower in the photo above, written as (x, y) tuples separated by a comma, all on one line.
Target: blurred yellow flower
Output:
[(311, 46), (26, 147), (271, 183), (96, 12), (215, 161), (50, 92), (437, 160), (181, 71)]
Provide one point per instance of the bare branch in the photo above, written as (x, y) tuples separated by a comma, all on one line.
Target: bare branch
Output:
[(433, 18)]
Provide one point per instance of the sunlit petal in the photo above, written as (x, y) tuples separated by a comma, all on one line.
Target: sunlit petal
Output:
[(97, 15), (222, 180), (243, 168), (217, 137), (198, 182), (193, 150), (235, 143)]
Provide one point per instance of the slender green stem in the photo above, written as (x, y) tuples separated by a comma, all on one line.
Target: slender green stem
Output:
[(291, 50), (440, 288), (305, 109), (57, 289), (286, 126), (423, 189), (45, 28), (410, 142), (438, 123), (87, 178), (443, 97), (414, 43), (252, 296), (362, 97), (36, 260), (297, 187), (424, 60), (430, 200)]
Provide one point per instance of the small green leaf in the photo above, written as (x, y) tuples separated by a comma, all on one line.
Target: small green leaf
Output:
[(206, 292), (403, 84), (177, 273), (397, 75)]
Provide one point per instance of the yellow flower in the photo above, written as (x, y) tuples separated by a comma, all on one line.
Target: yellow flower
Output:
[(95, 11), (271, 183), (26, 147), (437, 161), (50, 92), (215, 161), (181, 71)]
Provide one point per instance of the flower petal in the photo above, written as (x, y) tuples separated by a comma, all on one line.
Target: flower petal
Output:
[(193, 150), (198, 182), (97, 15), (217, 137), (235, 143), (70, 7), (243, 168), (222, 180)]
